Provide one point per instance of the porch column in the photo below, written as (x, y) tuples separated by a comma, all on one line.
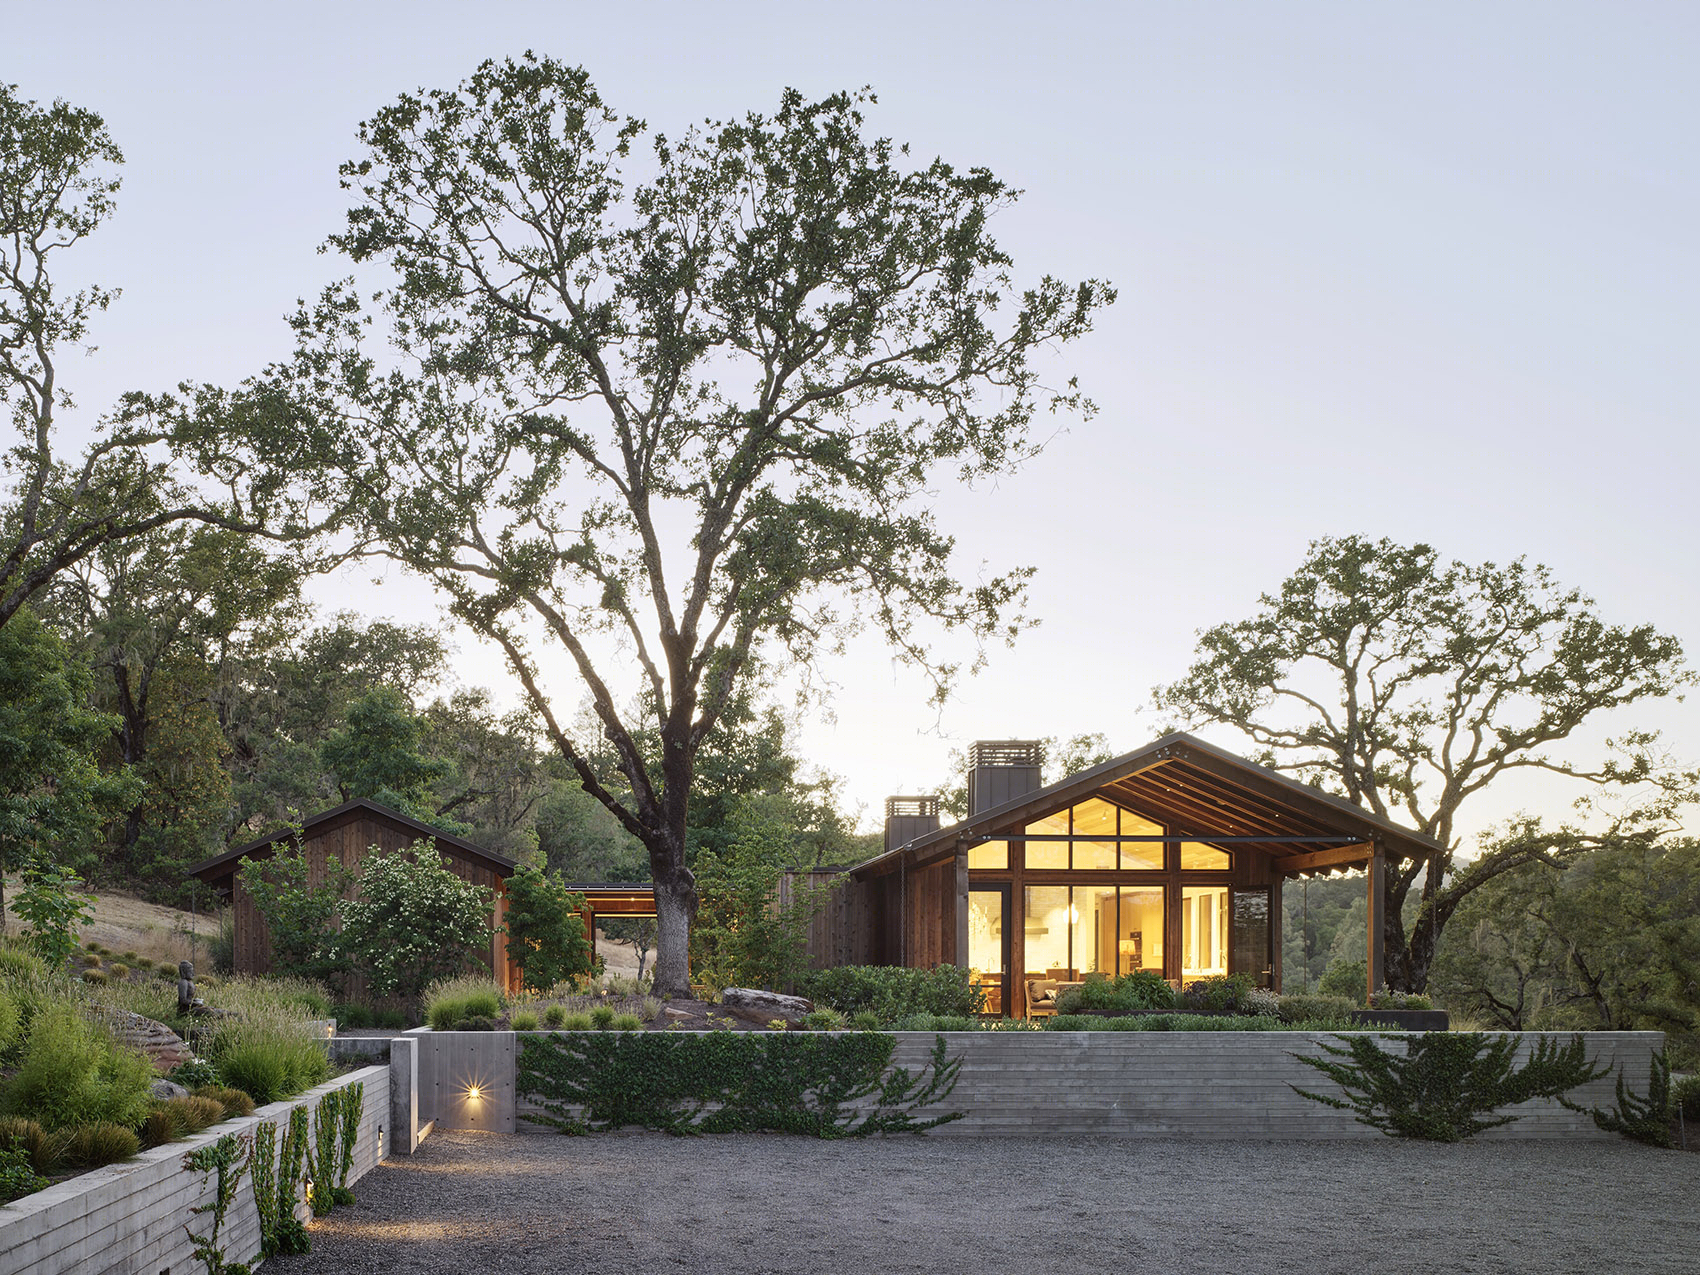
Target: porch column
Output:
[(1377, 964), (961, 905)]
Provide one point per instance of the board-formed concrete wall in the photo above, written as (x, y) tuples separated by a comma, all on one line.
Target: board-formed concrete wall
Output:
[(1056, 1084), (129, 1217), (1207, 1085)]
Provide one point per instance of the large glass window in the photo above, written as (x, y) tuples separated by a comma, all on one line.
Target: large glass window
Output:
[(1094, 818), (986, 944), (1204, 930), (1250, 939), (1094, 920), (1048, 854), (1202, 858), (989, 854), (1141, 855), (1046, 931), (1139, 933)]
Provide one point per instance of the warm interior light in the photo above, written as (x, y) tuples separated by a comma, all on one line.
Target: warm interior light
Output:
[(309, 1182)]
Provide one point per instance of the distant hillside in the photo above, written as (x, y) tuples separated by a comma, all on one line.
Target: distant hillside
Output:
[(125, 923)]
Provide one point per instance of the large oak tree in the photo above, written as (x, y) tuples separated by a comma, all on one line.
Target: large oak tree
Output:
[(664, 410), (1410, 685)]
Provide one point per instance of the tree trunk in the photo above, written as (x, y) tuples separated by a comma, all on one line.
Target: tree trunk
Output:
[(675, 910)]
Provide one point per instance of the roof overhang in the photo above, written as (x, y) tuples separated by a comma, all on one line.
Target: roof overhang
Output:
[(223, 865), (1198, 792)]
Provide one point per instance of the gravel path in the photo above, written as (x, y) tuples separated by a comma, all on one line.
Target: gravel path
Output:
[(503, 1204)]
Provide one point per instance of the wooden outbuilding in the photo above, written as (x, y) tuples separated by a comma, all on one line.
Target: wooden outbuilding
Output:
[(348, 833), (1169, 859)]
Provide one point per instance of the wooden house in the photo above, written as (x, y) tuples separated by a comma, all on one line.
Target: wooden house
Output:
[(348, 833), (1169, 859)]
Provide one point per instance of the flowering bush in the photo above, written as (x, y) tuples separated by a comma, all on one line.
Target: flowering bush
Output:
[(414, 922)]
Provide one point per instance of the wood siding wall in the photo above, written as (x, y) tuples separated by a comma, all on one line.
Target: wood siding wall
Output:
[(349, 841)]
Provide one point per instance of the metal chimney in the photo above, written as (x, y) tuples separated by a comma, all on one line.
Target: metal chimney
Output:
[(909, 817), (1001, 770)]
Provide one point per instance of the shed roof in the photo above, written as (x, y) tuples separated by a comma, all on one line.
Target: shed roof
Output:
[(1199, 790), (223, 865)]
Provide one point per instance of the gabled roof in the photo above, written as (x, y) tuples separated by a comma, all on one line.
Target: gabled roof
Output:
[(223, 864), (1195, 788)]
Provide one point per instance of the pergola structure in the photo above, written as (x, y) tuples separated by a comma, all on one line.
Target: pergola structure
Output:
[(1169, 859)]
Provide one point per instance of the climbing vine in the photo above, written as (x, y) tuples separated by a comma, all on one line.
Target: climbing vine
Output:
[(725, 1082), (228, 1158), (353, 1102), (321, 1172), (265, 1183), (1447, 1085), (289, 1233), (1643, 1119)]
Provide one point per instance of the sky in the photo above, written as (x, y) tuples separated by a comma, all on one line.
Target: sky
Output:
[(1424, 272)]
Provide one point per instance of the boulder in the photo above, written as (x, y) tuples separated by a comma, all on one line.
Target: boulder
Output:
[(756, 1006), (166, 1090), (164, 1047)]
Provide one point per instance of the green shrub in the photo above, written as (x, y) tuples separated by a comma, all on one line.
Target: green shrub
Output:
[(161, 1125), (17, 1177), (865, 1020), (477, 1023), (118, 970), (414, 921), (545, 929), (576, 1022), (259, 1072), (235, 1102), (92, 945), (268, 1050), (101, 1142), (524, 1021), (44, 1150), (73, 1073), (1142, 989), (389, 1019), (891, 992), (1175, 1022), (1346, 978), (91, 960), (144, 963), (97, 977), (1685, 1097), (166, 975), (602, 1017), (1217, 992), (197, 1073), (351, 1017), (1387, 998), (11, 1022), (626, 1023), (1298, 1008), (825, 1020), (472, 996), (20, 962), (555, 1015), (131, 957)]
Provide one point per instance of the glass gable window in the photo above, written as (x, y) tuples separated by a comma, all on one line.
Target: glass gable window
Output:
[(1196, 857), (989, 854), (1094, 818), (1048, 854), (1141, 855)]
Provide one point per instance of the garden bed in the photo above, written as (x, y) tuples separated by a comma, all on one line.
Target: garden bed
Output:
[(130, 1217)]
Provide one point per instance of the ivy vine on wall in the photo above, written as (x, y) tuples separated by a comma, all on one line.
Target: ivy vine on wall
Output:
[(726, 1082), (1447, 1085)]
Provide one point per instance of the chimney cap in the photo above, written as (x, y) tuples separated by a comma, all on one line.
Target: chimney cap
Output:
[(910, 807), (1007, 752)]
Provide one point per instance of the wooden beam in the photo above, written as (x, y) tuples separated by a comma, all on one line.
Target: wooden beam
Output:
[(1331, 858), (960, 897)]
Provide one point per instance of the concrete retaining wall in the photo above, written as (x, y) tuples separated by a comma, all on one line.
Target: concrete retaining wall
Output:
[(130, 1217), (1055, 1084)]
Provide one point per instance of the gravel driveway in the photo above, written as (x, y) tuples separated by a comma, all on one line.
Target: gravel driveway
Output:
[(502, 1204)]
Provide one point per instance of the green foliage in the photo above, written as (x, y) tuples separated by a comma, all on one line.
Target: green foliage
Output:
[(1447, 1085), (376, 755), (745, 936), (11, 1023), (1685, 1097), (728, 1082), (267, 1048), (545, 929), (272, 1067), (450, 1000), (864, 1020), (290, 1234), (228, 1158), (353, 1103), (602, 1017), (301, 916), (42, 1150), (53, 795), (891, 992), (554, 1016), (578, 1022), (180, 1118), (1176, 1022), (17, 1178), (236, 1102), (266, 1194), (1349, 979), (414, 922), (327, 1153), (1142, 989), (1645, 1119), (825, 1020), (1387, 998), (1216, 992), (100, 1142), (74, 1073), (352, 1017), (53, 909), (195, 1074), (523, 1021), (626, 1022), (1428, 653)]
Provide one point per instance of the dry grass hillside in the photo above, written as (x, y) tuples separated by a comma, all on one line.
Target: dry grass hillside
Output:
[(125, 923)]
